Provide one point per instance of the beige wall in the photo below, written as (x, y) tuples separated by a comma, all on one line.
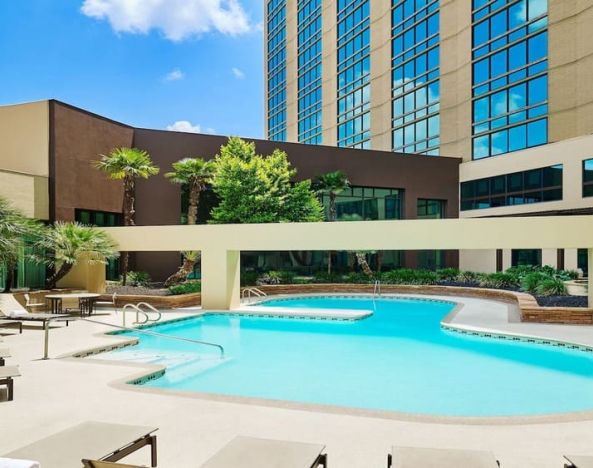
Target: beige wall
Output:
[(570, 68), (28, 193), (221, 244), (24, 157), (85, 276), (480, 261), (456, 78), (569, 153)]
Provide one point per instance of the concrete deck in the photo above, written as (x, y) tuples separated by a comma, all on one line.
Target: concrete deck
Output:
[(61, 392)]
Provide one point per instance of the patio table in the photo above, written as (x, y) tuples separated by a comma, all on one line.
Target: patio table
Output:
[(86, 302)]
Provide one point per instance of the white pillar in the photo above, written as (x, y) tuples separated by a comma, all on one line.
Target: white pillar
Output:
[(221, 271), (590, 276), (550, 257)]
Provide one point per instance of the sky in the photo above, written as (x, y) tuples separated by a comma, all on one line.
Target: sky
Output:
[(189, 65)]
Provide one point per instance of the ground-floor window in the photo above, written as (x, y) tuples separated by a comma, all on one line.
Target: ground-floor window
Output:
[(520, 257), (583, 261)]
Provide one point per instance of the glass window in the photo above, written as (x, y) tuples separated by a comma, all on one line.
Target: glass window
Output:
[(537, 132), (521, 257)]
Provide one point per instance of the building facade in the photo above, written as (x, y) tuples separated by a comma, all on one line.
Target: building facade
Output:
[(47, 150), (503, 84)]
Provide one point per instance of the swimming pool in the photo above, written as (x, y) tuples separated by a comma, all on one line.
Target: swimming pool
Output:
[(398, 359)]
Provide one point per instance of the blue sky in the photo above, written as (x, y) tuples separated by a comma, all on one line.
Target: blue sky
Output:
[(149, 63)]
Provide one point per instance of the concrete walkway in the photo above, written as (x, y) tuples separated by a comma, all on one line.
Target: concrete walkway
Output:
[(56, 394)]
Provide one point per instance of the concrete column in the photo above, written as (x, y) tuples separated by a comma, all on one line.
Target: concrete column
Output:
[(550, 257), (507, 259), (220, 279), (590, 277), (570, 259)]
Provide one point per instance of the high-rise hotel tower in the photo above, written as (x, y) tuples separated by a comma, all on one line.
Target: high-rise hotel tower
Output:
[(505, 84)]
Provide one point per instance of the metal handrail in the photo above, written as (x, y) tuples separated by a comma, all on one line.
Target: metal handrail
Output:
[(152, 308), (161, 335), (138, 311), (377, 288), (251, 290)]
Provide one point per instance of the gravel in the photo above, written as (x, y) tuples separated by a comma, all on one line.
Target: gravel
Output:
[(562, 301), (137, 291)]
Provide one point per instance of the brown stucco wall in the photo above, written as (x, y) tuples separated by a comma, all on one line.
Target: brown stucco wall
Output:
[(158, 201), (77, 138)]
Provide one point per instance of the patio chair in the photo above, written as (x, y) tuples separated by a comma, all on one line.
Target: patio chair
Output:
[(413, 457), (32, 305), (579, 461), (4, 353), (7, 373), (249, 452), (9, 323), (108, 303), (90, 440)]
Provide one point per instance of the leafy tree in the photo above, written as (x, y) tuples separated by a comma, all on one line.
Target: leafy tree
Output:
[(258, 189), (195, 173), (127, 164), (16, 232), (331, 184), (67, 242)]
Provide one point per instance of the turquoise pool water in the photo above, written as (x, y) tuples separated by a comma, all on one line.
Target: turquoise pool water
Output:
[(398, 359)]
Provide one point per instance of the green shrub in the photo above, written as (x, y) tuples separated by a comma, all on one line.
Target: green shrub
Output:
[(499, 281), (325, 277), (567, 275), (409, 276), (356, 278), (532, 280), (551, 287), (470, 277), (248, 278), (271, 277), (186, 288), (287, 277), (138, 278), (448, 274)]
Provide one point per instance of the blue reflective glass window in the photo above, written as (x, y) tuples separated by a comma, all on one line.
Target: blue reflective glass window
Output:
[(538, 90), (498, 24), (500, 142), (537, 8), (481, 34), (481, 71), (481, 147), (498, 103), (517, 97), (433, 126), (518, 138), (498, 63), (517, 14), (481, 109), (537, 132), (433, 92), (518, 56), (538, 47)]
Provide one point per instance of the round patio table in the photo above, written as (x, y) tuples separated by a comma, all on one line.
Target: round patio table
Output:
[(86, 302)]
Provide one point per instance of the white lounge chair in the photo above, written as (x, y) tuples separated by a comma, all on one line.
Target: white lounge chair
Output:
[(249, 452), (7, 373), (89, 440), (24, 316), (579, 461), (4, 353), (32, 305), (412, 457)]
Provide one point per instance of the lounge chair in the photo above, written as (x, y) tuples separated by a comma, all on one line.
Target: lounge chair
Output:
[(88, 441), (7, 373), (4, 353), (24, 316), (32, 305), (5, 322), (579, 461), (248, 452), (412, 457), (104, 464)]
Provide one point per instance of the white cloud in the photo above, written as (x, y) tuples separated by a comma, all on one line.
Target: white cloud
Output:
[(176, 19), (239, 74), (187, 127), (174, 75)]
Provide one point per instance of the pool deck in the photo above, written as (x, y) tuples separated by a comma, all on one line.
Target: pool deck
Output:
[(55, 394)]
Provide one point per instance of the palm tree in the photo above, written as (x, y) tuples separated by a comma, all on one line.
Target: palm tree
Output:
[(195, 174), (331, 184), (127, 164), (66, 243), (16, 232)]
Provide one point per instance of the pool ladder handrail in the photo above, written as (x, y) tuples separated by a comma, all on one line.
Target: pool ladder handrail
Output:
[(377, 288), (252, 291), (160, 335), (138, 309)]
